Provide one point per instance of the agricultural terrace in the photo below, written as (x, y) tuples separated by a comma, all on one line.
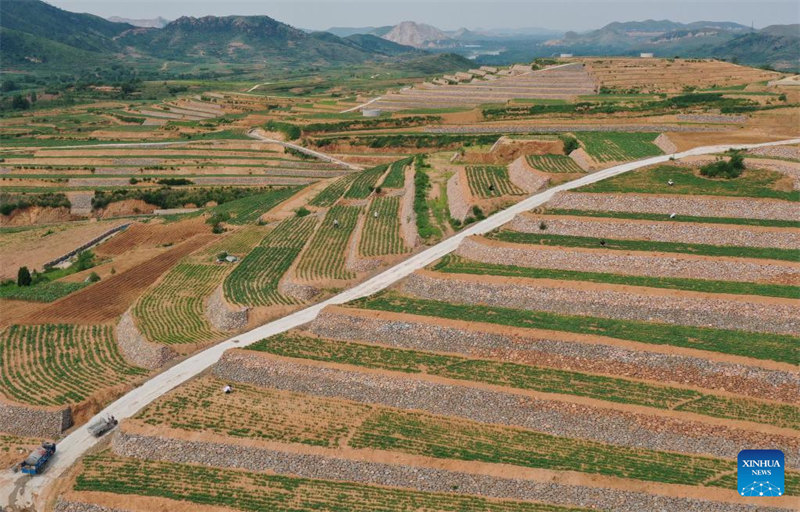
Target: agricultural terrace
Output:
[(254, 281), (172, 312), (365, 183), (60, 364), (619, 147), (249, 209), (234, 490), (554, 163), (381, 233), (396, 178), (326, 255), (334, 191), (490, 181)]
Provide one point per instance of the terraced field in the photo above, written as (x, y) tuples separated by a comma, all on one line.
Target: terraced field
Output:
[(254, 281), (553, 163), (490, 181), (326, 254), (381, 234), (619, 147), (334, 191), (395, 178), (249, 209), (60, 364), (173, 311), (365, 183)]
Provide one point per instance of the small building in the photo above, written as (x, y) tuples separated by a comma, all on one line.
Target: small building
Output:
[(646, 55), (566, 55), (371, 112), (231, 258)]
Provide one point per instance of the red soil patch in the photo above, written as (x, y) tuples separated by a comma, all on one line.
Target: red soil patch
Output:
[(152, 234)]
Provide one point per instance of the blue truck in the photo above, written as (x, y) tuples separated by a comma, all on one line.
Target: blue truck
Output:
[(34, 464)]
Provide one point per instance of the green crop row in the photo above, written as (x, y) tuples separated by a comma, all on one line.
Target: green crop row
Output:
[(457, 265), (41, 292), (334, 191), (248, 209), (326, 254), (646, 245), (554, 163), (744, 221), (774, 347), (258, 492), (365, 183), (490, 181), (619, 146), (397, 174), (381, 234)]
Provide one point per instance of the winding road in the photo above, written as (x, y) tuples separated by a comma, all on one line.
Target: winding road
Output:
[(22, 491), (258, 134)]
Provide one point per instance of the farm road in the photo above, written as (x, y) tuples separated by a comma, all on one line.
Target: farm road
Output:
[(22, 491), (258, 134)]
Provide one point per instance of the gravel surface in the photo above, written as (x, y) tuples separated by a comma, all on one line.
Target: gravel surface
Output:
[(525, 177), (495, 407), (569, 355), (414, 477), (660, 231), (778, 151), (747, 315), (697, 206), (636, 263)]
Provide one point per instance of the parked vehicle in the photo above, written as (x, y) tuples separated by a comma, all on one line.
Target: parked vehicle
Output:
[(34, 464)]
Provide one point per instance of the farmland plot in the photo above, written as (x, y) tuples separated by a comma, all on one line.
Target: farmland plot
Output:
[(326, 255), (365, 183), (554, 163), (60, 364), (381, 234), (234, 489), (255, 279), (172, 312), (334, 191), (618, 147), (249, 209), (396, 176), (490, 181)]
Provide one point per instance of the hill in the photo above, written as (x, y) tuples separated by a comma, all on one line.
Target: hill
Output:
[(776, 45), (418, 35), (147, 23)]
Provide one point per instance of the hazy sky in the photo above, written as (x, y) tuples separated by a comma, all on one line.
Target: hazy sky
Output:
[(452, 14)]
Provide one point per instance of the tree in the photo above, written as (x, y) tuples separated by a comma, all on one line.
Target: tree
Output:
[(20, 103), (24, 277)]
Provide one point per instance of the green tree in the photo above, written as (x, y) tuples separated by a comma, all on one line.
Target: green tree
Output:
[(24, 277), (20, 103)]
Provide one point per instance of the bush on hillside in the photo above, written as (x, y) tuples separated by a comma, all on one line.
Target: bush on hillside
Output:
[(724, 169)]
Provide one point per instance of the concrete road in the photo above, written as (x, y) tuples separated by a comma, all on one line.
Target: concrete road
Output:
[(258, 134), (23, 490)]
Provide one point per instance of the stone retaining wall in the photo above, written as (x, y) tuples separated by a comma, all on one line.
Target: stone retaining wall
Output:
[(665, 145), (408, 218), (223, 315), (457, 196), (138, 350), (525, 177), (572, 354), (629, 263), (582, 158), (495, 407), (414, 477), (660, 231), (21, 420), (697, 206), (746, 315), (77, 506)]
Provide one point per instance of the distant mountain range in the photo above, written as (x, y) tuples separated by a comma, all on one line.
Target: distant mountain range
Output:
[(36, 35)]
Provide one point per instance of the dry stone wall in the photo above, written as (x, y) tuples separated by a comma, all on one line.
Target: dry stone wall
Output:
[(525, 177), (664, 144), (629, 263), (457, 197), (697, 206), (408, 218), (20, 420), (610, 302), (413, 477), (543, 350), (504, 408), (138, 350), (77, 506), (661, 231), (223, 315)]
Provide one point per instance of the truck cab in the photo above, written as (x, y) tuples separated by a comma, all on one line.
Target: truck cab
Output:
[(35, 462)]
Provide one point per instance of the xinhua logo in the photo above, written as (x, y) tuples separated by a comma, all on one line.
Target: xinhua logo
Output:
[(761, 473)]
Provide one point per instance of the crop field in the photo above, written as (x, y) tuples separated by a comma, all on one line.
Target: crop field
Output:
[(773, 223), (326, 254), (554, 163), (60, 364), (749, 344), (752, 183), (249, 209), (381, 235), (619, 147), (44, 292), (458, 265), (535, 378), (334, 191), (490, 181), (395, 178), (255, 279), (235, 490), (365, 183), (172, 311)]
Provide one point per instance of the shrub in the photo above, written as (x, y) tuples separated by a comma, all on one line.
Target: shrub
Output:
[(542, 225), (478, 213), (302, 211), (24, 277), (217, 229), (93, 277), (570, 143), (724, 169)]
